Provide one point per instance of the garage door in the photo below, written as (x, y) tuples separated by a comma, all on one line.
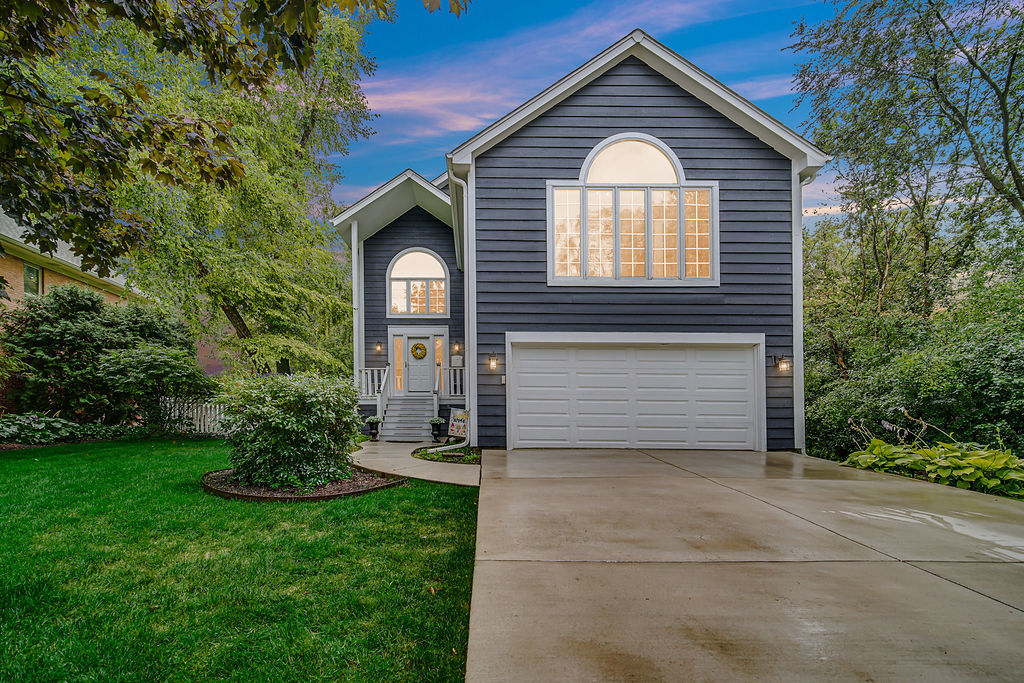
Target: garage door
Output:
[(657, 396)]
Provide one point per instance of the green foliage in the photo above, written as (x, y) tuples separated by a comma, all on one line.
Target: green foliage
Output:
[(66, 147), (291, 430), (143, 375), (964, 465), (961, 370), (64, 338), (39, 429)]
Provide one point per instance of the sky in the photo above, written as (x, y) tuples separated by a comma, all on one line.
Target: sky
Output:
[(441, 78)]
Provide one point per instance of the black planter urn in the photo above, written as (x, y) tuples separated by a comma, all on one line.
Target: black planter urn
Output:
[(435, 431)]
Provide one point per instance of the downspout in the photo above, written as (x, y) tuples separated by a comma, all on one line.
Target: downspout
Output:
[(470, 343)]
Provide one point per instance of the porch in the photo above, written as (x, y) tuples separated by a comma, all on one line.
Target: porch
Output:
[(378, 386)]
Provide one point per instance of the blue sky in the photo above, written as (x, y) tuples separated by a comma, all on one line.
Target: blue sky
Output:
[(440, 79)]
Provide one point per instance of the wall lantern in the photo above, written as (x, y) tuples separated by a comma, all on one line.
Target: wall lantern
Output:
[(457, 347), (492, 361), (379, 346), (783, 364)]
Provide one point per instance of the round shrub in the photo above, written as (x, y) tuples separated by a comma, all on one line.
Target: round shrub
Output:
[(291, 430)]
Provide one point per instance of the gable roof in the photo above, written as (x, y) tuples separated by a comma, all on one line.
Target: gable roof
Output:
[(808, 157), (392, 199)]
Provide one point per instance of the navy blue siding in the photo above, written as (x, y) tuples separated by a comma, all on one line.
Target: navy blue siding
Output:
[(415, 228), (756, 233)]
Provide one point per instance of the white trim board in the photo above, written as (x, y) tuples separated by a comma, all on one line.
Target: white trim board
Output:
[(799, 428), (381, 207), (756, 342)]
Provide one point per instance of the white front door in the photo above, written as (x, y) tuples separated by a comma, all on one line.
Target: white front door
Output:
[(419, 360)]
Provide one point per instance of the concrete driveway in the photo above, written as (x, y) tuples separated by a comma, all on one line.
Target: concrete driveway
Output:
[(683, 565)]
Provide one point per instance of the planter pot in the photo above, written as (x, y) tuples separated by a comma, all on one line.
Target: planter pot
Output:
[(435, 431), (374, 430)]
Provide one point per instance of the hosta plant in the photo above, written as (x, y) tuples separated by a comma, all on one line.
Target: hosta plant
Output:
[(964, 465)]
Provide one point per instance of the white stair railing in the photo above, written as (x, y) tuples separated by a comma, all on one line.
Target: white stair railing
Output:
[(384, 391), (438, 373)]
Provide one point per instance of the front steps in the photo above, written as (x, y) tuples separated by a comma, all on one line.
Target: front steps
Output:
[(405, 419)]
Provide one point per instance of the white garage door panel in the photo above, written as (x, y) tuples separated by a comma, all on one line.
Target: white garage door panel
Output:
[(657, 396)]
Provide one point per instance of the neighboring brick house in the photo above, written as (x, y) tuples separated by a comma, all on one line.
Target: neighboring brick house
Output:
[(31, 273)]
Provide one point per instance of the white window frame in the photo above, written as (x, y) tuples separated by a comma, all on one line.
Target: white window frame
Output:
[(649, 281), (408, 291)]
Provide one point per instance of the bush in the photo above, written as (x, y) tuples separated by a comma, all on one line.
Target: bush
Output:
[(38, 429), (143, 375), (63, 336), (964, 465), (291, 430)]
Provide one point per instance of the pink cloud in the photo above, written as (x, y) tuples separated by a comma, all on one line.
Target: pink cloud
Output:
[(765, 88)]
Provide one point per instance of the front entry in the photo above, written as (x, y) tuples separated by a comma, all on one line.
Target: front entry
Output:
[(417, 354), (419, 363)]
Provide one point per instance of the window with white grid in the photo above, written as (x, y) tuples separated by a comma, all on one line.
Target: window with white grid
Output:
[(632, 219)]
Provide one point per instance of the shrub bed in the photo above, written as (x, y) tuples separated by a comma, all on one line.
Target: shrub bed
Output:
[(291, 430), (964, 465)]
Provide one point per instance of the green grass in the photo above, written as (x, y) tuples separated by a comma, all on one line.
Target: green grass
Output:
[(115, 565)]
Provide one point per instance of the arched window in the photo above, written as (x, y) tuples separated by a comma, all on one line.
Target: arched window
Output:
[(632, 219), (417, 284)]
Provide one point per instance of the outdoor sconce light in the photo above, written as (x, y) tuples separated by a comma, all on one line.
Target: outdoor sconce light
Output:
[(492, 362), (783, 364), (379, 346), (457, 347)]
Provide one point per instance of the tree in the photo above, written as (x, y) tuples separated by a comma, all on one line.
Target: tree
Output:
[(248, 265), (944, 74), (63, 154)]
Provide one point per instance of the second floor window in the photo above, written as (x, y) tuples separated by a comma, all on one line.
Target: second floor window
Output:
[(417, 285), (32, 280), (632, 219)]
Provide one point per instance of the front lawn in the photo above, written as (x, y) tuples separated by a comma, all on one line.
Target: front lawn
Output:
[(115, 565)]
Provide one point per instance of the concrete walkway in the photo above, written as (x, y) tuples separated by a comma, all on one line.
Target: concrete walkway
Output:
[(393, 458), (688, 565)]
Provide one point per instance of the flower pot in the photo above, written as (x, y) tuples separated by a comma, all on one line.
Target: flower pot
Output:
[(374, 430), (435, 431)]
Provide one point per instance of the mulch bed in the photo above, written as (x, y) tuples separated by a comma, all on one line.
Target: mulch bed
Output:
[(219, 483), (456, 457)]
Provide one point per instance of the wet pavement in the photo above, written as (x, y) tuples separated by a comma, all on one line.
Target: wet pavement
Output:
[(394, 457), (711, 565)]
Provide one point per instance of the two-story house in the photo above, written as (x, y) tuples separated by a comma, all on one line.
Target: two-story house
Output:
[(615, 263)]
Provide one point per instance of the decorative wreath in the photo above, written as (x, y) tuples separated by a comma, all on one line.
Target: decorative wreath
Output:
[(418, 351)]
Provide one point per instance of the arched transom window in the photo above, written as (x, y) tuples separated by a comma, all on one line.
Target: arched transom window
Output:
[(632, 219), (417, 284)]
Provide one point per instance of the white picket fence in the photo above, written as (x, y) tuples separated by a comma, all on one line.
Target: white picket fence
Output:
[(193, 417)]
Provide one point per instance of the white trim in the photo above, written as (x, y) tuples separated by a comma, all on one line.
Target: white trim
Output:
[(358, 343), (407, 331), (407, 174), (799, 429), (681, 281), (639, 137), (685, 74), (754, 340), (472, 361), (447, 282)]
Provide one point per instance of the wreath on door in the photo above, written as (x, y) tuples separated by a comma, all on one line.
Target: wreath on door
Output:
[(418, 351)]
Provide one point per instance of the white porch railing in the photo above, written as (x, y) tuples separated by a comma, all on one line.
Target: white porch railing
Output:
[(438, 373), (454, 382), (369, 381)]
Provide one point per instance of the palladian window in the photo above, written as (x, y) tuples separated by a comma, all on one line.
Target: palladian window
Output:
[(632, 219), (417, 285)]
